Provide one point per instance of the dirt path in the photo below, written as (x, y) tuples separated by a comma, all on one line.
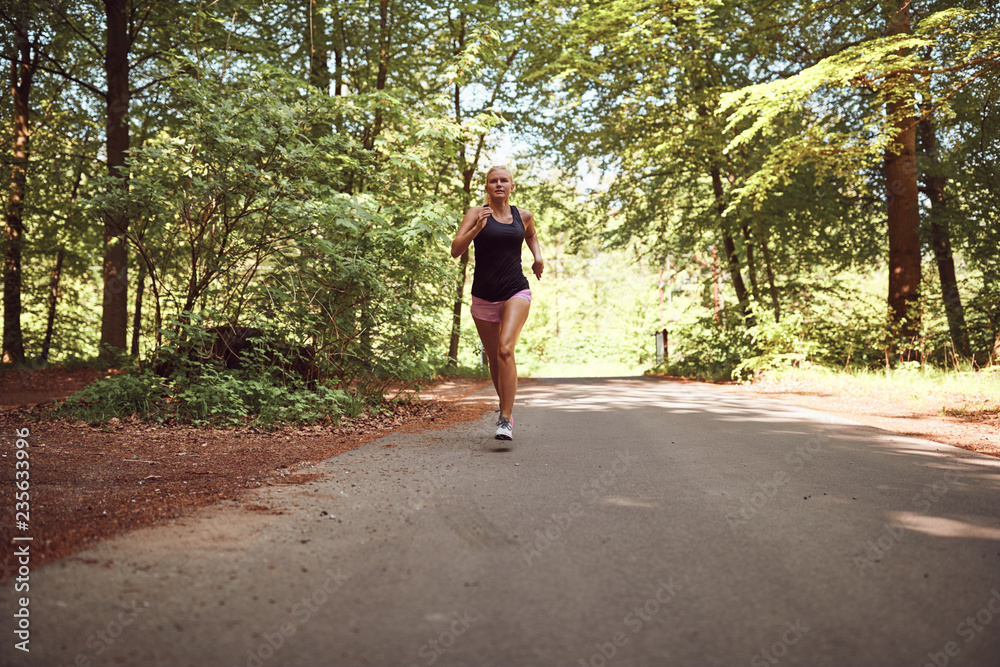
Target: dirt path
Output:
[(89, 483)]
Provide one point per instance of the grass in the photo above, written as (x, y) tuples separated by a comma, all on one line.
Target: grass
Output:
[(950, 392)]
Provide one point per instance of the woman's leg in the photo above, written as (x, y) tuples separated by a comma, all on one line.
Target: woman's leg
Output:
[(512, 318), (489, 335)]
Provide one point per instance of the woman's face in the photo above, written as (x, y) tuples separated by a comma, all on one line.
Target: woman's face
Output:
[(499, 184)]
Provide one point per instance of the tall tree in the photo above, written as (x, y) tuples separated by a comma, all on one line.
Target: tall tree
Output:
[(639, 85), (902, 190), (732, 258), (75, 61), (119, 39), (934, 183), (23, 65), (319, 52), (872, 82)]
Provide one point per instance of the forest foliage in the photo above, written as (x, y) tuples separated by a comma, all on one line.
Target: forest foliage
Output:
[(259, 197)]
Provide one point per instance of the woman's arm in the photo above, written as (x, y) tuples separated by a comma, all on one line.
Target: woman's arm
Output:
[(472, 224), (531, 239)]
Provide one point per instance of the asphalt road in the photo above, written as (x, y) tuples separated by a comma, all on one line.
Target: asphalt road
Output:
[(632, 522)]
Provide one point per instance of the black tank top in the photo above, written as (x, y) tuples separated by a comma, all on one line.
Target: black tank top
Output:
[(498, 274)]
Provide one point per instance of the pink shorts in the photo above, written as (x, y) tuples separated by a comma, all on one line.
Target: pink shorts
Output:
[(489, 311)]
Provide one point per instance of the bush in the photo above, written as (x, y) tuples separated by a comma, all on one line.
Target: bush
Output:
[(197, 382), (121, 396), (211, 395), (776, 345), (709, 351)]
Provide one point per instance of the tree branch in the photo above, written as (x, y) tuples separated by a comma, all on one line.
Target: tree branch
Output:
[(97, 50), (61, 71)]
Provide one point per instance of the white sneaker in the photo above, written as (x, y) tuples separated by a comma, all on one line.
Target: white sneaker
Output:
[(505, 429)]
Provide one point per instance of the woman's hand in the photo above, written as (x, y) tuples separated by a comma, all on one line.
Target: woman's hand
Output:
[(473, 223), (537, 267), (484, 214)]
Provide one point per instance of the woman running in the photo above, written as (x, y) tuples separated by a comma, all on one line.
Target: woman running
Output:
[(500, 294)]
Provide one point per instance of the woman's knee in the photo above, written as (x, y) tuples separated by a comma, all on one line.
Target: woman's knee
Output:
[(505, 352)]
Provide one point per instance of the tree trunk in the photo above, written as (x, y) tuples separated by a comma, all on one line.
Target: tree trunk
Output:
[(157, 311), (467, 174), (751, 264), (50, 323), (456, 319), (319, 54), (768, 265), (660, 284), (21, 74), (50, 320), (385, 40), (934, 184), (335, 43), (137, 314), (729, 245), (338, 72), (114, 318), (319, 60), (716, 306), (903, 211)]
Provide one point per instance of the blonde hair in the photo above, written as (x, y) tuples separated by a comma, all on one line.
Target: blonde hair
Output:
[(489, 172)]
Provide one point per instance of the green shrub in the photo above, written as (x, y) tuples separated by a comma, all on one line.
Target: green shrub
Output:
[(709, 351), (195, 386), (212, 396), (131, 393), (775, 344)]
